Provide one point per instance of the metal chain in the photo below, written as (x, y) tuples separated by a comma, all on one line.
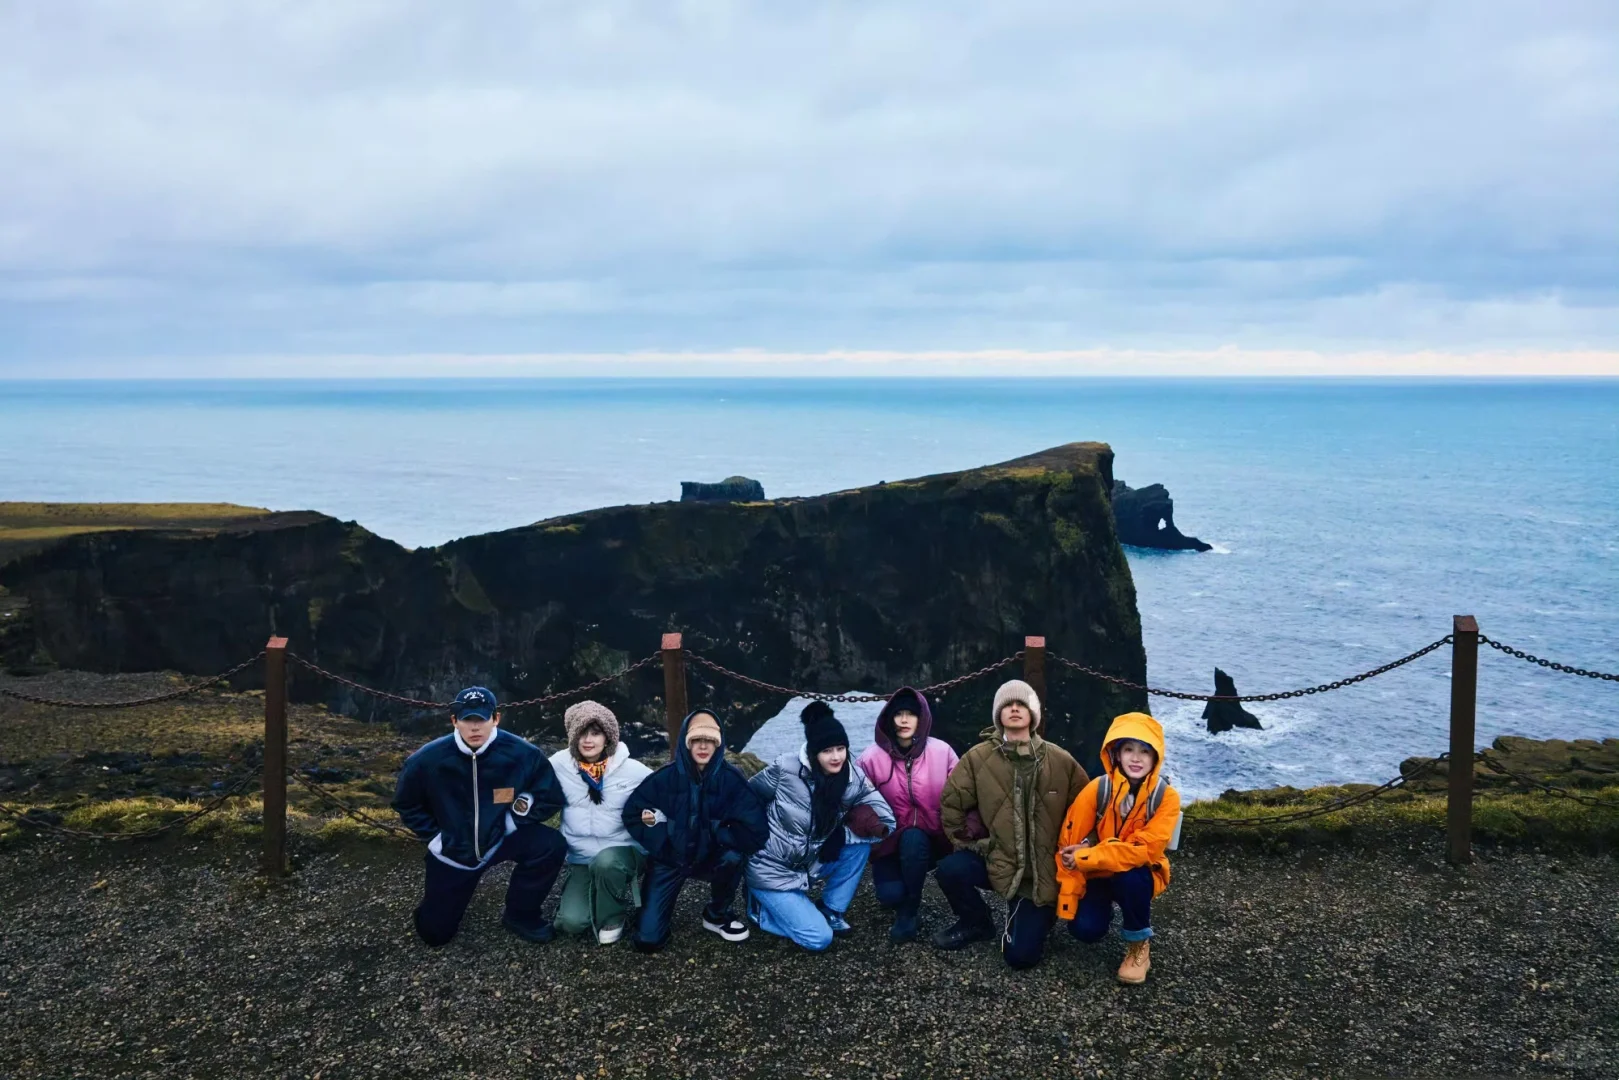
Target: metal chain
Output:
[(224, 676), (420, 703), (1521, 655), (323, 792), (1333, 807), (1550, 789), (25, 817), (1282, 696), (772, 688)]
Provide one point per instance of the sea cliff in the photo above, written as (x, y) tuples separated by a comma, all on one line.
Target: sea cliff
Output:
[(914, 581)]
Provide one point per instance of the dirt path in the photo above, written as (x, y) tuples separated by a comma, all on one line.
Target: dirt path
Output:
[(179, 962)]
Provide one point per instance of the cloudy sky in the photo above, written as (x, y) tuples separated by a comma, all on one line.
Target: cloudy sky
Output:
[(385, 186)]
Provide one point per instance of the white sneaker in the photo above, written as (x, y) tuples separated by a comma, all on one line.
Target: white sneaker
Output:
[(728, 927), (609, 934)]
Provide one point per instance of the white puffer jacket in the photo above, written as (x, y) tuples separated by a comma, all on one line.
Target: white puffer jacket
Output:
[(589, 827)]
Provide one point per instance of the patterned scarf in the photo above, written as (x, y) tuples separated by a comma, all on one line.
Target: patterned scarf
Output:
[(593, 773)]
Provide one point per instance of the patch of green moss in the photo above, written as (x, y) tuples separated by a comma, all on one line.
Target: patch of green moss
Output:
[(1499, 817)]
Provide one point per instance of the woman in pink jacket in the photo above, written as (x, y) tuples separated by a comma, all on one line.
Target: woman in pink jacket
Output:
[(908, 768)]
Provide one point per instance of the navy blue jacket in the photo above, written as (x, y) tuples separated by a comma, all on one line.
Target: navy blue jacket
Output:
[(464, 804), (710, 816)]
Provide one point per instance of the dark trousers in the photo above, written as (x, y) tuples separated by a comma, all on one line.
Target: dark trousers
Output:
[(898, 877), (1131, 890), (961, 875), (663, 889), (538, 851)]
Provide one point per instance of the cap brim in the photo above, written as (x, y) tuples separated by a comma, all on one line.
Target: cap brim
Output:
[(474, 714)]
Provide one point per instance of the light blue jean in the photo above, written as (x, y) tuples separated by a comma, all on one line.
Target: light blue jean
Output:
[(791, 914)]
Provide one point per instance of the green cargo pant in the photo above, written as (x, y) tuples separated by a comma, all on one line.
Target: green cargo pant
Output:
[(601, 892)]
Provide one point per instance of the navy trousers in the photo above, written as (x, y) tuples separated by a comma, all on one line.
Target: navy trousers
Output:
[(1131, 890), (898, 877), (538, 851), (663, 884), (1023, 942)]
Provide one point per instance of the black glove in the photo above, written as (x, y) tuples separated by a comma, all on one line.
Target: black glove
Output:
[(831, 847)]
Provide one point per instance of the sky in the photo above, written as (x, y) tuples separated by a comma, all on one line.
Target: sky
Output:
[(408, 187)]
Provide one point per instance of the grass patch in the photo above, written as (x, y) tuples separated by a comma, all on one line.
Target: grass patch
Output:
[(1504, 818), (26, 527)]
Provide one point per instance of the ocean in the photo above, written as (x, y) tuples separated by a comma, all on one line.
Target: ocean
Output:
[(1351, 519)]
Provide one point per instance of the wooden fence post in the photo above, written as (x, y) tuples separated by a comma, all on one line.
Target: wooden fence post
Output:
[(674, 687), (1034, 672), (1463, 712), (275, 757)]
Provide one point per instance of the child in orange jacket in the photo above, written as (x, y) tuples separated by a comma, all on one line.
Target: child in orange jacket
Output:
[(1113, 853)]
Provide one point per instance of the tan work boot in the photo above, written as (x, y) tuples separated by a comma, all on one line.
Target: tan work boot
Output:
[(1137, 961)]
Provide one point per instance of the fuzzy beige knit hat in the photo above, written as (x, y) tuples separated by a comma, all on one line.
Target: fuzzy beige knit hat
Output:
[(702, 725), (581, 715), (1016, 690)]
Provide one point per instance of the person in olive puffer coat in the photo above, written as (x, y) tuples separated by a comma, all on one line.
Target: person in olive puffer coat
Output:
[(1003, 808)]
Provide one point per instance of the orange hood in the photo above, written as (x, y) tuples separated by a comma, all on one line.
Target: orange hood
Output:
[(1139, 726)]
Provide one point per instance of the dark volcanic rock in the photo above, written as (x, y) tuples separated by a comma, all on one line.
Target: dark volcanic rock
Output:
[(731, 489), (1225, 715), (868, 589), (1146, 518)]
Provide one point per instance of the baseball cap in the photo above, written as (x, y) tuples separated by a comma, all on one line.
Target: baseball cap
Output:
[(475, 701)]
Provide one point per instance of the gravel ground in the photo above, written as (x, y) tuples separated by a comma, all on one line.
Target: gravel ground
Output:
[(177, 961)]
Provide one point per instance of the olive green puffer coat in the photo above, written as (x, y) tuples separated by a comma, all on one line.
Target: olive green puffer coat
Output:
[(1023, 818)]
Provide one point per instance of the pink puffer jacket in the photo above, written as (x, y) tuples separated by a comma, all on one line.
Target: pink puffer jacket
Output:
[(910, 783)]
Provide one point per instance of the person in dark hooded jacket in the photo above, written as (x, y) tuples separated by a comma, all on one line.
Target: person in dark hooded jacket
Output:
[(695, 817), (909, 768)]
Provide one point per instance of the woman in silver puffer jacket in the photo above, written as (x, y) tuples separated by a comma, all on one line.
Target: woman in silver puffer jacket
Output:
[(824, 814)]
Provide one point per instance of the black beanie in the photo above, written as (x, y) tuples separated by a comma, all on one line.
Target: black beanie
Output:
[(821, 728)]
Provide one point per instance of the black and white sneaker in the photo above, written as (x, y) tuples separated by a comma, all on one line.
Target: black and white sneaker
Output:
[(726, 925)]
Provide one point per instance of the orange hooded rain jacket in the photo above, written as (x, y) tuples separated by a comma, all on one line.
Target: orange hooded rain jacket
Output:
[(1121, 839)]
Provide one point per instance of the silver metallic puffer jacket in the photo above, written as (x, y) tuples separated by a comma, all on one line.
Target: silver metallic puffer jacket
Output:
[(788, 859)]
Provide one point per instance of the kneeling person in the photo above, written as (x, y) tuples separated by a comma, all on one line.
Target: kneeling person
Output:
[(478, 796), (1112, 849), (1003, 809), (823, 815), (695, 817), (598, 776)]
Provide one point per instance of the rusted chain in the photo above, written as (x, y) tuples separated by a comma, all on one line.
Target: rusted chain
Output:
[(350, 809), (1553, 665), (25, 817), (224, 676), (1338, 684), (420, 703), (772, 688), (1550, 789), (1345, 803)]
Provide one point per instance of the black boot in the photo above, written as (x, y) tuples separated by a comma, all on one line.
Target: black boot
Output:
[(962, 934)]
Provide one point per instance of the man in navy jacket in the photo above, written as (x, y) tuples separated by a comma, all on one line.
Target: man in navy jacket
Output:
[(696, 817), (478, 796)]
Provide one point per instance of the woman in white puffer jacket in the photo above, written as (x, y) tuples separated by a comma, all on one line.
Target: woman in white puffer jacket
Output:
[(604, 865)]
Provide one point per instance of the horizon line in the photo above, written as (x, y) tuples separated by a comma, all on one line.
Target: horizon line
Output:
[(1226, 361)]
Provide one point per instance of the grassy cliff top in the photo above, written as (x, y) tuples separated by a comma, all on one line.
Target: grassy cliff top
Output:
[(26, 527)]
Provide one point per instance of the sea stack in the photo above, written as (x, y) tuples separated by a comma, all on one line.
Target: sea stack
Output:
[(1225, 715), (1146, 518), (731, 489)]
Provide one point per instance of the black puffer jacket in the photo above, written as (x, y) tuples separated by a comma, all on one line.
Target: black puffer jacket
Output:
[(707, 817)]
